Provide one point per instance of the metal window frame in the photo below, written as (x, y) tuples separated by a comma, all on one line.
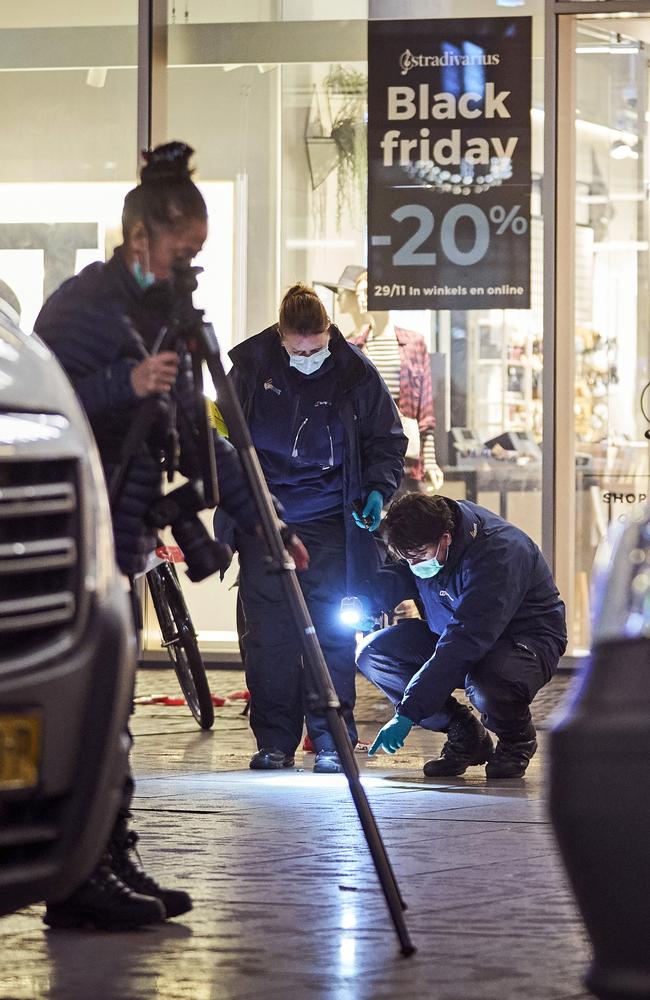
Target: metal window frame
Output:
[(555, 7), (152, 74)]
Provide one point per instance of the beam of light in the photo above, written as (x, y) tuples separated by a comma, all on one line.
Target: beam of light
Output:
[(306, 780), (347, 952)]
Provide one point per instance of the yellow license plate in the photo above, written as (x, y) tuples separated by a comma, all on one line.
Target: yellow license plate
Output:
[(20, 750)]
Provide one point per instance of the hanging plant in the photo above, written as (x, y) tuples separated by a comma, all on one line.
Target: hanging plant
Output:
[(347, 96)]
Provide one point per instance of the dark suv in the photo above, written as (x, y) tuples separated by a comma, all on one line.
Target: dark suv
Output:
[(67, 655)]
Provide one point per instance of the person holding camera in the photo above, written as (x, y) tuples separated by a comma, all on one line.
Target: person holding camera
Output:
[(331, 446), (494, 624), (104, 325)]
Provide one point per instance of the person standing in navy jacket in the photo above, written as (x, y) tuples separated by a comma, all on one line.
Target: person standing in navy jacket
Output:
[(328, 436), (104, 326), (494, 624)]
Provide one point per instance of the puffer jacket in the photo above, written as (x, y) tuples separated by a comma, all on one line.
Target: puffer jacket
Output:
[(100, 324), (374, 442)]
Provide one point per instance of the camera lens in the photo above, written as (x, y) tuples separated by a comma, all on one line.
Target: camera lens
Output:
[(203, 555)]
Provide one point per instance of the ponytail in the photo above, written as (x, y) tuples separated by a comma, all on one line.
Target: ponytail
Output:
[(302, 311)]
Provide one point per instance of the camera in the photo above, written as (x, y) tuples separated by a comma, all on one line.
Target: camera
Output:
[(179, 509)]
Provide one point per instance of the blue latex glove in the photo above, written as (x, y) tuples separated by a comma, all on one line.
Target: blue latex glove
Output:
[(392, 736), (372, 511)]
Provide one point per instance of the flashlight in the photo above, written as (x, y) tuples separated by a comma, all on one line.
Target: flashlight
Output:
[(351, 612), (357, 507)]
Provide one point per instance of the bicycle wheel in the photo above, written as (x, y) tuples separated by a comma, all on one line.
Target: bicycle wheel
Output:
[(179, 639)]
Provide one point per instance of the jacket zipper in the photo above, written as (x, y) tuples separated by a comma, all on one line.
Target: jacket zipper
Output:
[(294, 450)]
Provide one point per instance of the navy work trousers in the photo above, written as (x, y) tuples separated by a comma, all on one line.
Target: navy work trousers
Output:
[(501, 686), (271, 644)]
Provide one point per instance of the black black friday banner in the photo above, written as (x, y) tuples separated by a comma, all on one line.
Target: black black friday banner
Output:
[(449, 176)]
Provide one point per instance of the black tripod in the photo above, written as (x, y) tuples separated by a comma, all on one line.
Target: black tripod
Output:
[(201, 342)]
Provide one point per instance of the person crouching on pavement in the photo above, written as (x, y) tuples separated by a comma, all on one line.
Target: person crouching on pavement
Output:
[(327, 435), (493, 624)]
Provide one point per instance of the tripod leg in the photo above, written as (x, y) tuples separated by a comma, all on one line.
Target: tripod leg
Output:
[(383, 867), (317, 673), (320, 683)]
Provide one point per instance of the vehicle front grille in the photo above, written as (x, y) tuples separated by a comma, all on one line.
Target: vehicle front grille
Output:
[(39, 558), (29, 831)]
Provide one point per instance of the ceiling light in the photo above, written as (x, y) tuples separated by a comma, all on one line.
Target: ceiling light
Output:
[(96, 76), (619, 50)]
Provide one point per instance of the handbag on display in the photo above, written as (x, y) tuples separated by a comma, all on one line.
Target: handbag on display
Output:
[(412, 430)]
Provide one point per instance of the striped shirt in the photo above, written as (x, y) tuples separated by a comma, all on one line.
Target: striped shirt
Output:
[(402, 361), (384, 353)]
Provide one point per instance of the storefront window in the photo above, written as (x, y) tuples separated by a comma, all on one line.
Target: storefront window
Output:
[(273, 94), (68, 97), (274, 99), (245, 93), (611, 294)]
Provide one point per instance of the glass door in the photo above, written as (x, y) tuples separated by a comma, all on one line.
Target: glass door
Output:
[(608, 355)]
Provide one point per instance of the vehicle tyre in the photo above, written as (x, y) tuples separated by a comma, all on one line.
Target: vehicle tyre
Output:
[(179, 639)]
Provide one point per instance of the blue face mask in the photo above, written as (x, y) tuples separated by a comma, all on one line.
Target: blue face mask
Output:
[(145, 279), (428, 567), (307, 366)]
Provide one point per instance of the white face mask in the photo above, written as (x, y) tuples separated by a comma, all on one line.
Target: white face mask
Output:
[(427, 568), (307, 366)]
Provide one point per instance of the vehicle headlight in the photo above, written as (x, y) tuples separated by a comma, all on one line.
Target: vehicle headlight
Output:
[(101, 567)]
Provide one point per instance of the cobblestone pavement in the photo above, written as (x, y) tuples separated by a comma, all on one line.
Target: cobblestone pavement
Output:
[(286, 902)]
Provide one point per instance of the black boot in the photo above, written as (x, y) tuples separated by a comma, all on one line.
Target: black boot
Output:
[(468, 743), (512, 757), (104, 902), (271, 759), (125, 862)]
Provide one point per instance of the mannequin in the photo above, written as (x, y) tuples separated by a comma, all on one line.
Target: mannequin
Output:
[(347, 303), (402, 359)]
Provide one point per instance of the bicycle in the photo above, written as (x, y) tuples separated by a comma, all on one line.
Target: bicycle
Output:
[(179, 636)]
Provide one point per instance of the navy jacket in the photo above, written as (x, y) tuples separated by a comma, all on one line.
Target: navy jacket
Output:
[(374, 443), (495, 584), (100, 325)]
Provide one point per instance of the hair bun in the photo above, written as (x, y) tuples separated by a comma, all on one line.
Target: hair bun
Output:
[(167, 162)]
